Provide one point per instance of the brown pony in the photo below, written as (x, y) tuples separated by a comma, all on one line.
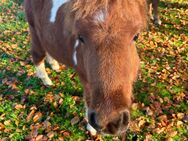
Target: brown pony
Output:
[(96, 38)]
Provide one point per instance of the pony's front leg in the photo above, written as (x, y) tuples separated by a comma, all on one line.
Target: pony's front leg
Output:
[(38, 55), (53, 63), (42, 74)]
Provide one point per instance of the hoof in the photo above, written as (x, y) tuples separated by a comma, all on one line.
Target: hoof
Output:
[(47, 82), (157, 22), (55, 67)]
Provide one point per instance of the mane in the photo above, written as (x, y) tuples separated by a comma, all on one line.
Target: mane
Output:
[(83, 8), (120, 13)]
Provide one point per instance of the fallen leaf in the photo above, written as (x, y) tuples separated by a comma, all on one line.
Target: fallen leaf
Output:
[(19, 107), (51, 134), (75, 120), (7, 122), (2, 127), (37, 116), (30, 115), (39, 138)]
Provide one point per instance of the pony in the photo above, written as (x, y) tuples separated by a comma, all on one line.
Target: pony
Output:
[(97, 39)]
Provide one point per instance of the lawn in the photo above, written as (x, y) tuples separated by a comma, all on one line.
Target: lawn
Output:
[(31, 111)]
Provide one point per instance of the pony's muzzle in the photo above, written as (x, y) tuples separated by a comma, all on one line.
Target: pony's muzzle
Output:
[(117, 126)]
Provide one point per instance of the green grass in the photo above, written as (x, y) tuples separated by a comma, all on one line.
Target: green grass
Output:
[(28, 109)]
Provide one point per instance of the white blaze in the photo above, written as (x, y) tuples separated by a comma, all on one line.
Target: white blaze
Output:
[(100, 16), (75, 53), (56, 4)]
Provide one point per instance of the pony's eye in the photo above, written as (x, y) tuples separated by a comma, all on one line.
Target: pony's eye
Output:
[(81, 39), (136, 37)]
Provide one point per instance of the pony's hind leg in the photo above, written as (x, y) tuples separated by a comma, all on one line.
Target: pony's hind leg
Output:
[(156, 18), (53, 63), (38, 55)]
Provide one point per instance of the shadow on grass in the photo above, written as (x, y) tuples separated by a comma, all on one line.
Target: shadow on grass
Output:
[(173, 5)]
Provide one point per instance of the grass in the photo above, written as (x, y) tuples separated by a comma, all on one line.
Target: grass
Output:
[(29, 110)]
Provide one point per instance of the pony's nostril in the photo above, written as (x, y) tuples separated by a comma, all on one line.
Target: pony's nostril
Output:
[(119, 124), (92, 120), (125, 118), (113, 126), (125, 121)]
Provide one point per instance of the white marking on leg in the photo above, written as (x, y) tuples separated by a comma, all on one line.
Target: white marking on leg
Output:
[(42, 74), (92, 130), (56, 4), (53, 63), (157, 21), (75, 53)]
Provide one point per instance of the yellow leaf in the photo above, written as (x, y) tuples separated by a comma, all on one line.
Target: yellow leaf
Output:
[(2, 127), (51, 135), (141, 123), (179, 123), (31, 114), (19, 107), (173, 133), (7, 122), (180, 115), (39, 138), (60, 139), (37, 116)]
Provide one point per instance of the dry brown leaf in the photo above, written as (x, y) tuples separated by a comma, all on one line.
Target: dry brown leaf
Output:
[(160, 130), (134, 127), (55, 104), (34, 133), (30, 115), (60, 101), (148, 137), (4, 139), (46, 124), (56, 127), (180, 115), (179, 123), (173, 133), (75, 120), (39, 138), (65, 133), (2, 127), (60, 139), (37, 116), (141, 123), (19, 107), (51, 134), (33, 108), (134, 106), (149, 112), (7, 122), (169, 139)]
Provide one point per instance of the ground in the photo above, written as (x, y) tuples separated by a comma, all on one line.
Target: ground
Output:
[(31, 111)]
